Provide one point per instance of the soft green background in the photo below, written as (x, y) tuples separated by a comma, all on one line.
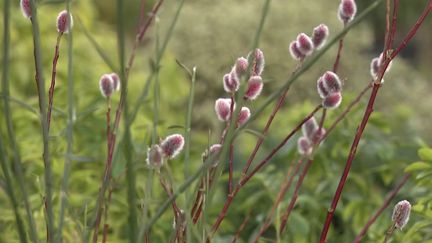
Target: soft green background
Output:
[(211, 35)]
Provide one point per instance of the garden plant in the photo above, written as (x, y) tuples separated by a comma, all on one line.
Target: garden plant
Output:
[(114, 145)]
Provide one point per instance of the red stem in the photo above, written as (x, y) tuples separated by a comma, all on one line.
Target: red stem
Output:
[(265, 130), (284, 188), (294, 196), (112, 139), (246, 178), (53, 78), (231, 168), (368, 112), (386, 203), (338, 55), (279, 104), (351, 156), (241, 228)]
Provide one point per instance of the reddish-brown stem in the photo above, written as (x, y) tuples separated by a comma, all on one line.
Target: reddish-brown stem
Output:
[(277, 107), (141, 15), (241, 228), (246, 178), (141, 32), (295, 195), (385, 204), (284, 188), (231, 168), (351, 156), (105, 233), (277, 148), (108, 117), (346, 111), (367, 114), (53, 78), (112, 139), (338, 55), (279, 104), (106, 226)]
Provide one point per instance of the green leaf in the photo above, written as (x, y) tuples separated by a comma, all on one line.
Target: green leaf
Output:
[(425, 154), (417, 166)]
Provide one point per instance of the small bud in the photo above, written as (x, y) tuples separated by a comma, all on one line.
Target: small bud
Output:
[(304, 146), (376, 64), (322, 90), (319, 35), (309, 128), (25, 8), (304, 44), (255, 86), (374, 67), (381, 62), (106, 85), (332, 82), (223, 109), (172, 145), (215, 148), (231, 85), (347, 11), (243, 116), (116, 81), (258, 62), (241, 66), (63, 25), (318, 135), (155, 158), (295, 52), (401, 213), (332, 101)]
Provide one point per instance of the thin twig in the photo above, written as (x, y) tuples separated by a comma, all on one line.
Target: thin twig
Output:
[(246, 178), (368, 112), (53, 78), (385, 204), (44, 125), (292, 172)]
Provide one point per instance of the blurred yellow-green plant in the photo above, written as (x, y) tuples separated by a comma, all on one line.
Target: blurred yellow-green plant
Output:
[(170, 87)]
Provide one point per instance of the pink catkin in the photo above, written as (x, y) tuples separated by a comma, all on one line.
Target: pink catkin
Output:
[(304, 44), (172, 145), (25, 8), (255, 86), (401, 213), (243, 116), (155, 157), (116, 81), (322, 90), (332, 101), (63, 24), (223, 109), (106, 85), (295, 52), (319, 35), (258, 63), (304, 146), (309, 128), (332, 82), (241, 66), (230, 85), (347, 11)]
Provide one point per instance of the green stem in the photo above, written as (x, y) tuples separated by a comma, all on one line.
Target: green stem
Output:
[(69, 134), (11, 193), (10, 130), (44, 124), (130, 171)]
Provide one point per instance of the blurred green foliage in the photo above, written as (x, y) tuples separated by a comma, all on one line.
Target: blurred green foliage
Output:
[(211, 35)]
